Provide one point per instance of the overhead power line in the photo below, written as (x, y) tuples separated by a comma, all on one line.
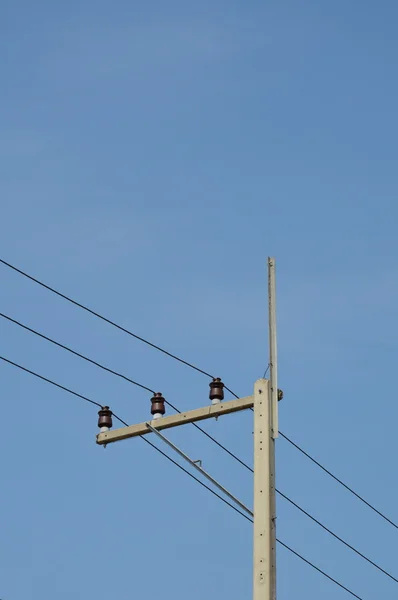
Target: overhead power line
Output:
[(319, 570), (186, 472), (104, 368), (96, 314), (62, 387), (318, 464), (156, 347), (65, 389), (199, 428), (193, 477), (86, 358), (110, 322), (330, 532)]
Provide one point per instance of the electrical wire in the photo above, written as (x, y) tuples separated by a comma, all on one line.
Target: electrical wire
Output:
[(96, 314), (187, 472), (110, 322), (97, 364), (10, 362), (318, 464), (191, 475), (319, 570), (182, 469), (198, 480), (337, 537), (124, 423), (99, 316), (86, 358), (41, 335), (348, 488)]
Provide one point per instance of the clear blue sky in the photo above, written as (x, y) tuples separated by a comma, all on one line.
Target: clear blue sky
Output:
[(152, 155)]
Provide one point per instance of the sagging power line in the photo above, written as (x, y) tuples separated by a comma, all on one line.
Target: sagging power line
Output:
[(185, 471), (192, 366)]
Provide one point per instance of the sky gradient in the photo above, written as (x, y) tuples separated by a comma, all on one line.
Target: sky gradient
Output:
[(153, 155)]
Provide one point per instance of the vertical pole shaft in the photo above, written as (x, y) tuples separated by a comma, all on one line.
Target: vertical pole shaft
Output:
[(262, 528), (273, 387), (273, 352), (273, 512)]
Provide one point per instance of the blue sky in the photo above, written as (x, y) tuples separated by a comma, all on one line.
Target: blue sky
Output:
[(152, 156)]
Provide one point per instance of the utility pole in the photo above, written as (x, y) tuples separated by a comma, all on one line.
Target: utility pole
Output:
[(262, 526), (266, 396), (264, 403), (275, 396)]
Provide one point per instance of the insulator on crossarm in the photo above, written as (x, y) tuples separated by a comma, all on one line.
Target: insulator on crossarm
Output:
[(216, 391), (104, 419), (158, 406)]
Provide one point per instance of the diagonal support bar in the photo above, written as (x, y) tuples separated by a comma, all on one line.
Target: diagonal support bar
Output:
[(201, 471), (199, 414)]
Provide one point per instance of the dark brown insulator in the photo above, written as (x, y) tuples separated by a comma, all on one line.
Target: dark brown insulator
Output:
[(216, 390), (105, 417), (158, 406)]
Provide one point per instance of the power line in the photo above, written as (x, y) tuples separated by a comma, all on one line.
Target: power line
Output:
[(181, 468), (95, 314), (191, 475), (99, 316), (10, 362), (196, 479), (41, 335), (251, 521), (86, 358), (319, 570), (337, 537), (99, 365), (124, 423), (318, 464), (331, 532)]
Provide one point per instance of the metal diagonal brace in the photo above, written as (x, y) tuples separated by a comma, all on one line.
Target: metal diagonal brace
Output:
[(201, 471)]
